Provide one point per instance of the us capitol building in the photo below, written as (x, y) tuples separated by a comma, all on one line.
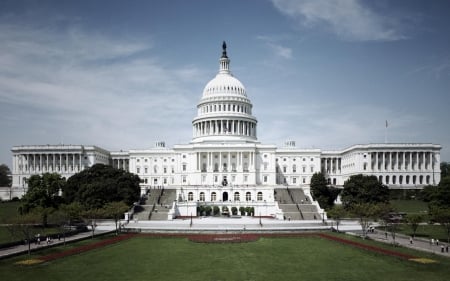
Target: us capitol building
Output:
[(225, 164)]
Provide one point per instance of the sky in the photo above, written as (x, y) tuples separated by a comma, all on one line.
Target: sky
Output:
[(124, 74)]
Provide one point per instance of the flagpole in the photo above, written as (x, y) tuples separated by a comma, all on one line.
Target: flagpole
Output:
[(385, 132)]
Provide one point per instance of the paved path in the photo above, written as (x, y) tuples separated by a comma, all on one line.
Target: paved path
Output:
[(420, 244), (20, 249)]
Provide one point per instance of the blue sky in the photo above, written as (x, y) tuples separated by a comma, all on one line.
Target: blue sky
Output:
[(124, 74)]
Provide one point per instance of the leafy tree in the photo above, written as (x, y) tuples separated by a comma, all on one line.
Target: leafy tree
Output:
[(5, 175), (442, 216), (337, 213), (367, 212), (24, 227), (216, 210), (100, 184), (445, 169), (208, 210), (242, 210), (234, 211), (414, 220), (42, 194), (115, 210), (360, 189), (320, 191), (91, 216)]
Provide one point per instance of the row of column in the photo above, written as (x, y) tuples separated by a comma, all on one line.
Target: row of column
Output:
[(54, 162), (121, 163), (226, 107), (240, 164), (402, 161), (332, 165), (224, 127)]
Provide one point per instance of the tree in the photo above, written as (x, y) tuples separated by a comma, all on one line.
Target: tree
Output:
[(337, 213), (320, 191), (445, 169), (367, 212), (91, 216), (442, 216), (24, 227), (115, 210), (100, 184), (43, 194), (242, 210), (5, 176), (414, 220), (360, 189)]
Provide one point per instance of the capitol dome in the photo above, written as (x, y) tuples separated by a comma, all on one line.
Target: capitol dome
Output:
[(224, 111)]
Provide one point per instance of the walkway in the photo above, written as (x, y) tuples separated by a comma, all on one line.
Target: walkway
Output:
[(21, 249), (420, 244)]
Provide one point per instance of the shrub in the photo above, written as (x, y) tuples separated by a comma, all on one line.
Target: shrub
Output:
[(234, 211), (216, 210), (242, 211)]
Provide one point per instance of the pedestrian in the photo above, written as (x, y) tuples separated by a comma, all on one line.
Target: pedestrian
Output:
[(432, 241), (437, 242), (410, 240), (385, 234)]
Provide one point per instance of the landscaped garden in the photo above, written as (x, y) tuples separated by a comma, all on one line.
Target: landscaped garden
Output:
[(289, 257)]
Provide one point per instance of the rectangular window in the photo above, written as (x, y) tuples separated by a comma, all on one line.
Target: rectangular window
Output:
[(184, 179), (184, 167), (265, 179), (312, 169), (138, 170), (145, 170)]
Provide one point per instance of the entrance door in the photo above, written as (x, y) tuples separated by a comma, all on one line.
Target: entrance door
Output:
[(225, 196)]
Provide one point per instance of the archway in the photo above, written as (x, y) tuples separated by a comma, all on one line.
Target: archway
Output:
[(225, 196)]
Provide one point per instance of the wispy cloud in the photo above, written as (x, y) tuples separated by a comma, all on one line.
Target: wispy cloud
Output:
[(277, 48), (349, 19), (92, 88)]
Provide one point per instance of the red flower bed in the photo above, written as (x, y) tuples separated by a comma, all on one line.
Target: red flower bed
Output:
[(86, 248), (223, 238)]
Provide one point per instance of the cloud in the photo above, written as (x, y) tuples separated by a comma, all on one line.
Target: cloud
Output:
[(91, 89), (349, 19), (277, 49)]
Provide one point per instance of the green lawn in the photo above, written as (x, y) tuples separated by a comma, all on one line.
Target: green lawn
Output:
[(307, 258), (410, 206), (8, 209)]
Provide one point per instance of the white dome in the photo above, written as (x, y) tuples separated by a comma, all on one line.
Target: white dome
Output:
[(224, 84)]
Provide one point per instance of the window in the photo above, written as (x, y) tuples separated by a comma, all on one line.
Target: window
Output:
[(294, 168), (245, 178), (183, 179), (294, 180), (265, 166), (248, 196), (165, 170), (202, 196), (184, 167), (236, 196), (304, 169), (213, 196), (259, 196), (284, 169), (138, 170), (165, 180), (155, 169), (146, 170), (312, 169), (304, 180), (265, 179), (190, 196)]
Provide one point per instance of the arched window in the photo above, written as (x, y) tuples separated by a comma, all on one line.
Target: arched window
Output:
[(259, 196), (190, 196), (248, 196), (213, 196), (202, 196), (294, 168), (236, 196)]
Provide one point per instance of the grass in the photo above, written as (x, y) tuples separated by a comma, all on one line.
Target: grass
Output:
[(410, 206), (425, 231), (10, 209), (306, 258)]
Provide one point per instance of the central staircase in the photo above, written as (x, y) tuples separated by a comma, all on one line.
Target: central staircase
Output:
[(295, 204)]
